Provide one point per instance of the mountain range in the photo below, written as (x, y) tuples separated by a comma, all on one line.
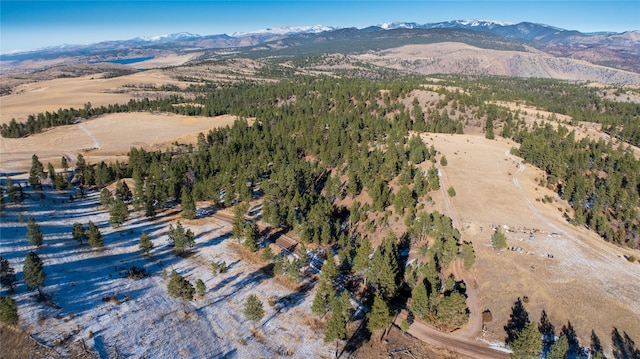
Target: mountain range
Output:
[(615, 50)]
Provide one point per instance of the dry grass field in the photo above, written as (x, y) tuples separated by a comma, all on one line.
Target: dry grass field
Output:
[(107, 138), (51, 95), (588, 281)]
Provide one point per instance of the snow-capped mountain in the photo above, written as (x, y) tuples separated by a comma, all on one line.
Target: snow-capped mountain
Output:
[(610, 49), (289, 30), (168, 38)]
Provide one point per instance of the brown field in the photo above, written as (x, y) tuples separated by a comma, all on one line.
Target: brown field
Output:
[(106, 138), (588, 281), (51, 95)]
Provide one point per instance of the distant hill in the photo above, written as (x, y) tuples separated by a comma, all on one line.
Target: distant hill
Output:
[(620, 51)]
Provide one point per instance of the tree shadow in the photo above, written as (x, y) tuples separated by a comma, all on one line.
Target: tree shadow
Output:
[(570, 333), (623, 346), (518, 320), (361, 336)]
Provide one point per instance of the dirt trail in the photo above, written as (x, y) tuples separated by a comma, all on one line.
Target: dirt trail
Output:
[(438, 339), (473, 328)]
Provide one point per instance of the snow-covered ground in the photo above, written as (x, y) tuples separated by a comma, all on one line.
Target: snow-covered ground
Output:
[(141, 319)]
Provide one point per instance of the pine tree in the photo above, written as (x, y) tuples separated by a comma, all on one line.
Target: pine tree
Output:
[(63, 163), (123, 192), (323, 298), (118, 213), (200, 287), (304, 256), (451, 311), (337, 324), (8, 311), (7, 275), (78, 233), (34, 234), (498, 240), (560, 349), (149, 207), (145, 244), (468, 255), (138, 188), (528, 344), (380, 316), (105, 198), (188, 205), (33, 272), (252, 236), (253, 309), (420, 300), (361, 260), (237, 224), (329, 270), (36, 174), (181, 238), (267, 254), (94, 236), (180, 287)]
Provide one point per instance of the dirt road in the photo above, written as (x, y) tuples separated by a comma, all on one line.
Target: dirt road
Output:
[(458, 344)]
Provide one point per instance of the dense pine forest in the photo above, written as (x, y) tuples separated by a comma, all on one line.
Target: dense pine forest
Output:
[(319, 139)]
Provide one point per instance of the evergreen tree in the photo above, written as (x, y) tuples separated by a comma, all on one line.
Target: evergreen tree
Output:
[(323, 298), (380, 316), (329, 269), (123, 192), (528, 343), (443, 161), (149, 207), (7, 275), (8, 311), (81, 165), (384, 269), (63, 163), (237, 223), (498, 240), (361, 260), (200, 287), (52, 172), (420, 300), (94, 236), (337, 324), (33, 272), (105, 198), (118, 213), (253, 309), (252, 236), (451, 311), (560, 349), (304, 256), (468, 255), (145, 244), (36, 174), (34, 233), (78, 233), (181, 238), (138, 189), (180, 287), (267, 254), (188, 204)]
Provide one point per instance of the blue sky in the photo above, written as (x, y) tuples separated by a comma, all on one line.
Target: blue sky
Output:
[(27, 24)]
